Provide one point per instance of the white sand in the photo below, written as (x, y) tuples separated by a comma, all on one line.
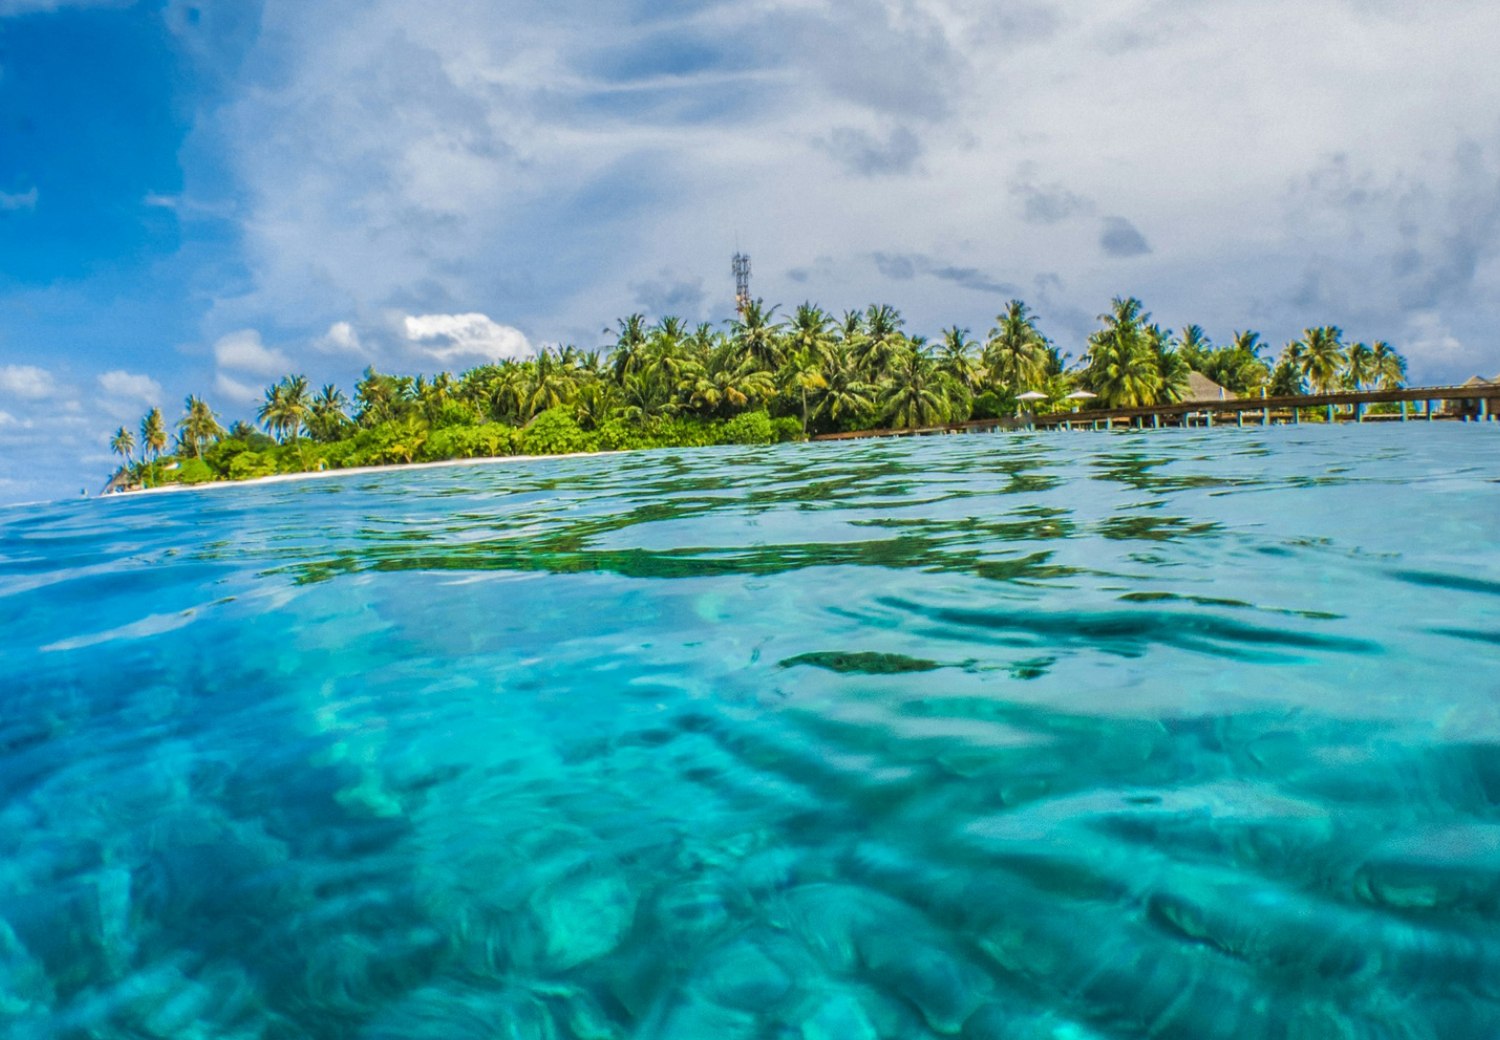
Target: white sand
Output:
[(282, 478)]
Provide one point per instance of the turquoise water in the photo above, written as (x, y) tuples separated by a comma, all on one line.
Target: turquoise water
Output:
[(1185, 734)]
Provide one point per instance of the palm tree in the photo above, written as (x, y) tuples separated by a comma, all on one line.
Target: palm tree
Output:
[(506, 389), (1321, 359), (628, 342), (1359, 367), (328, 418), (846, 394), (1014, 353), (286, 408), (1195, 347), (916, 395), (1172, 367), (594, 402), (955, 358), (802, 372), (811, 332), (726, 382), (1388, 366), (647, 396), (123, 445), (551, 384), (880, 340), (1239, 367), (758, 335), (1121, 366), (198, 426), (153, 433)]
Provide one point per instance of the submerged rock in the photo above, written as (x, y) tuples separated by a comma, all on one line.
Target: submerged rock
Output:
[(862, 662)]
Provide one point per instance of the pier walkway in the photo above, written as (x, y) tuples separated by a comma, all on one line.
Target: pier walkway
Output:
[(1422, 403)]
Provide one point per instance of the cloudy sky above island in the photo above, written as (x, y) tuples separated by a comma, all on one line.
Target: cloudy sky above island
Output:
[(200, 195)]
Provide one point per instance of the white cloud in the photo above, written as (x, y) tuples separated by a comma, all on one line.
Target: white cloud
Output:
[(131, 387), (6, 419), (18, 200), (451, 339), (243, 351), (26, 382), (534, 160), (341, 338), (236, 391)]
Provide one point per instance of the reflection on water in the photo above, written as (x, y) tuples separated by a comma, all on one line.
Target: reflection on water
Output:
[(1193, 734)]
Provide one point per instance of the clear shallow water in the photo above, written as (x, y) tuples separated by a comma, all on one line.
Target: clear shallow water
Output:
[(1184, 734)]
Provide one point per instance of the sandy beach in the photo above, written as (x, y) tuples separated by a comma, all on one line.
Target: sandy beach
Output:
[(284, 478)]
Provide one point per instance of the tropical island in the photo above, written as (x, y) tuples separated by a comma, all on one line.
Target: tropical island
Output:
[(758, 381)]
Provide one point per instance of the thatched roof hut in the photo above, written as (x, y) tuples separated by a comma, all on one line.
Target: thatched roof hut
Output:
[(1202, 388)]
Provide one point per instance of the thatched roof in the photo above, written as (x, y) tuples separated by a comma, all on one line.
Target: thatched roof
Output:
[(1202, 388)]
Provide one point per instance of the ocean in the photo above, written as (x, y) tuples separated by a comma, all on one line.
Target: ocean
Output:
[(1189, 733)]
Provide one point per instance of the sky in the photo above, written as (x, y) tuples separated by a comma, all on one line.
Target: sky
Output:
[(199, 196)]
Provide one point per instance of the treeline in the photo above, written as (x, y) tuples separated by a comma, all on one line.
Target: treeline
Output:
[(762, 379)]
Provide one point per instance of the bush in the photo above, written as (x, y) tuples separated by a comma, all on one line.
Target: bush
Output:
[(787, 428), (619, 435), (388, 442), (221, 454), (468, 442), (991, 405), (554, 432), (749, 428), (455, 413), (194, 471), (249, 464)]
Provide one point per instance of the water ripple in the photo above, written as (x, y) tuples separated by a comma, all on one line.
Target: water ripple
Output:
[(1192, 735)]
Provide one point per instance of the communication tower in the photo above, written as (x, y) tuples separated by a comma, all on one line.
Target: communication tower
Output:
[(741, 265)]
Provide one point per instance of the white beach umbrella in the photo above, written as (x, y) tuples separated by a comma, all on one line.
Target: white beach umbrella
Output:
[(1080, 395), (1031, 395)]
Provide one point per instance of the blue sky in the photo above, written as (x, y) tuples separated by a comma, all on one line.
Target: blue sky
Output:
[(199, 195)]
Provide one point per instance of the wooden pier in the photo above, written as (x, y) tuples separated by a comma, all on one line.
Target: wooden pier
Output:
[(1418, 404)]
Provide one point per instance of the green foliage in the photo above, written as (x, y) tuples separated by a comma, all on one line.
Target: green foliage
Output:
[(553, 432), (762, 379), (194, 471), (786, 429), (489, 440), (750, 428), (994, 404), (249, 464)]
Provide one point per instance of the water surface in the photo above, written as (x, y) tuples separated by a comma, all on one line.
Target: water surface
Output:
[(1184, 734)]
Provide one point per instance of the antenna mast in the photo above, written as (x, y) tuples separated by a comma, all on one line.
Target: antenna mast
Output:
[(741, 264)]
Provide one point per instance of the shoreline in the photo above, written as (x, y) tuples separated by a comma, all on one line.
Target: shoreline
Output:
[(284, 478)]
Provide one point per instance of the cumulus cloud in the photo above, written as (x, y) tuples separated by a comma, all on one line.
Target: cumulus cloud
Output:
[(243, 351), (536, 166), (27, 382), (235, 390), (130, 387), (1121, 238), (341, 338), (452, 339)]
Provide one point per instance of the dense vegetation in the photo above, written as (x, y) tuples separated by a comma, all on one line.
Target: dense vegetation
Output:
[(761, 380)]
